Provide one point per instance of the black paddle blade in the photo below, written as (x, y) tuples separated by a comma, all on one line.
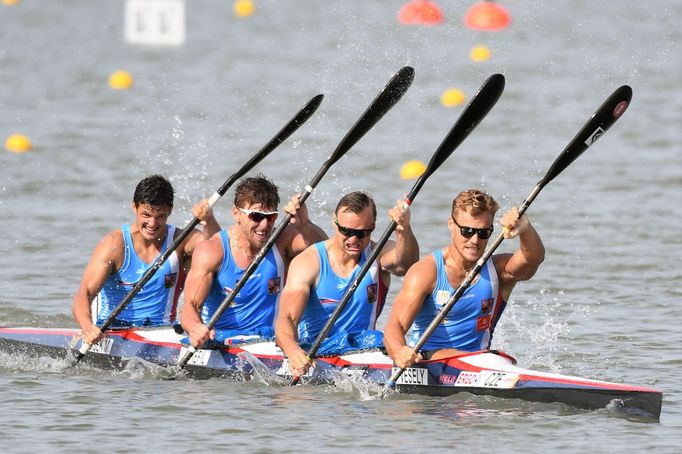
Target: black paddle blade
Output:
[(479, 106), (389, 96), (605, 116)]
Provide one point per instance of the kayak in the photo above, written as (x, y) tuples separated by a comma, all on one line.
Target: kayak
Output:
[(492, 373)]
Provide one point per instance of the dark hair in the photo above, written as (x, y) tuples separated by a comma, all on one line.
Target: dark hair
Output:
[(356, 202), (154, 190), (256, 190)]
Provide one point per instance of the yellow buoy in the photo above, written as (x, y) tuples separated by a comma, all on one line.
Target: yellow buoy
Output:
[(412, 169), (243, 8), (121, 80), (18, 143), (9, 2), (480, 53), (452, 97)]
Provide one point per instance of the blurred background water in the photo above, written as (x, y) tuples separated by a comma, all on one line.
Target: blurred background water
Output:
[(605, 304)]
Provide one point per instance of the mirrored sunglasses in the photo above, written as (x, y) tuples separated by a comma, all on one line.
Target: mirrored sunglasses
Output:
[(258, 216)]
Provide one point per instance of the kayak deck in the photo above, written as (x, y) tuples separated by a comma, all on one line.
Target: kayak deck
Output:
[(480, 373)]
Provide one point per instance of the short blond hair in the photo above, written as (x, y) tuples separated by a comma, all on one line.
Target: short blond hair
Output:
[(474, 202)]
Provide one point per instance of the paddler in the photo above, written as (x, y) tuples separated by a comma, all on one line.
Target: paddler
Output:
[(124, 254), (218, 264), (430, 282), (320, 276)]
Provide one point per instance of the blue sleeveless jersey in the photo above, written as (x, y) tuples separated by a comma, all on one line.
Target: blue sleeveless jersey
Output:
[(470, 323), (254, 307), (156, 303), (363, 308)]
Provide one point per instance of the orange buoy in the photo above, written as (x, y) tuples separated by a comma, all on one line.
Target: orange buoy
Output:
[(420, 12), (488, 16)]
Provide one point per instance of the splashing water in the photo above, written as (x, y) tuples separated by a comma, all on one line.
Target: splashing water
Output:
[(261, 372)]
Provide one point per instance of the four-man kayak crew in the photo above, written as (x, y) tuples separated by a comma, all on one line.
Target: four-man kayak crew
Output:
[(429, 284), (318, 273), (219, 263), (123, 255), (319, 277)]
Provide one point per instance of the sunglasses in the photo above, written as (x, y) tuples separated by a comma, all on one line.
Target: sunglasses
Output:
[(468, 232), (258, 216), (348, 232)]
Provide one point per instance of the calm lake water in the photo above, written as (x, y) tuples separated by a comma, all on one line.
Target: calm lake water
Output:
[(605, 304)]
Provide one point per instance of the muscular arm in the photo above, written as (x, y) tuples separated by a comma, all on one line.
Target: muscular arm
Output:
[(301, 232), (106, 258), (209, 224), (398, 256), (419, 283), (301, 278), (522, 264), (206, 261)]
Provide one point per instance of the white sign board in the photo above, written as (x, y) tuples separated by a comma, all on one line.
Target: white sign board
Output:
[(155, 22)]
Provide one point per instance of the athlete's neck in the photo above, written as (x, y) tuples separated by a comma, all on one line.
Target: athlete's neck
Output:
[(455, 258), (241, 245)]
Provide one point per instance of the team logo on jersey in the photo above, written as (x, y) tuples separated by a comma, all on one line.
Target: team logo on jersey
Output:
[(274, 285), (169, 280), (372, 290), (487, 305), (483, 323), (442, 297)]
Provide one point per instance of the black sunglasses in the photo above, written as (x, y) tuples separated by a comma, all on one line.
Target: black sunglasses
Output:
[(258, 216), (348, 232), (468, 232)]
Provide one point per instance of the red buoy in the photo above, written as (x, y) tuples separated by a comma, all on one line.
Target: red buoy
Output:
[(420, 12), (488, 16)]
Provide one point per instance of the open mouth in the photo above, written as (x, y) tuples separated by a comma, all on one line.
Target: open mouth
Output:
[(150, 231), (353, 247), (262, 234)]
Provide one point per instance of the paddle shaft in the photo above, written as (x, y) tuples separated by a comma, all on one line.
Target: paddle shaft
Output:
[(297, 121), (385, 100), (482, 102), (605, 116)]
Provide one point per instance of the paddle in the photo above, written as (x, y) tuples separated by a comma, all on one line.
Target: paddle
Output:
[(479, 106), (605, 116), (389, 96), (297, 121)]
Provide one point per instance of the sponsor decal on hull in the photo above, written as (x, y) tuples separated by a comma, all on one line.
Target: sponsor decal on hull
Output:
[(487, 379), (413, 376), (284, 370), (200, 358), (103, 346)]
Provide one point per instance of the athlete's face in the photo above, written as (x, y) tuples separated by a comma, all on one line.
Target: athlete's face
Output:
[(256, 222), (151, 220), (472, 248), (350, 226)]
